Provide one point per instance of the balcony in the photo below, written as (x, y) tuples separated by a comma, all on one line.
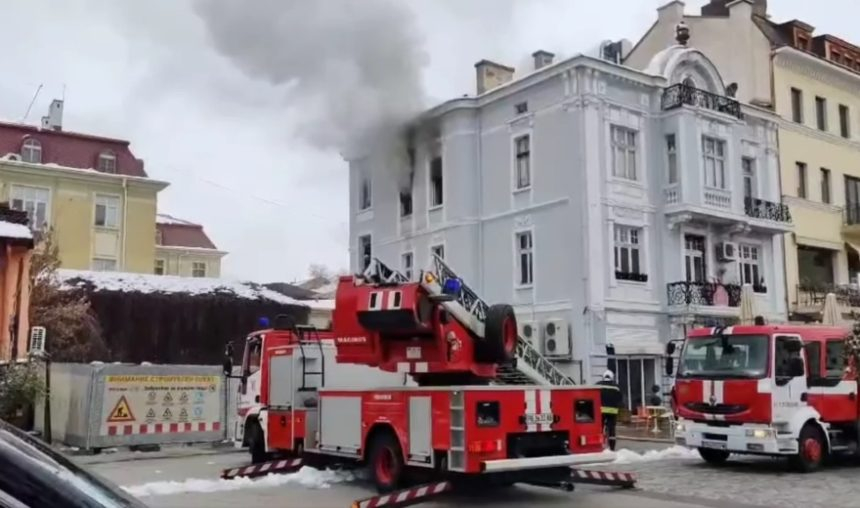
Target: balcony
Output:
[(810, 297), (766, 210), (851, 218), (703, 294), (679, 95)]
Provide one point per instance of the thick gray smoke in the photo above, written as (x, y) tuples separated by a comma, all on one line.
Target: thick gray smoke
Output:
[(351, 69)]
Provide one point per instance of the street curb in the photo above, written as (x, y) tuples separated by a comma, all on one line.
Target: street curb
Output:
[(646, 439), (143, 456)]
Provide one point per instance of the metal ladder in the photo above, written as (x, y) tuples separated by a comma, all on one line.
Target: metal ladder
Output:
[(301, 331), (529, 366)]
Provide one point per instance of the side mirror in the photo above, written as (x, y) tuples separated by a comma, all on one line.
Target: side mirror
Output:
[(670, 366), (227, 366), (795, 367), (670, 349)]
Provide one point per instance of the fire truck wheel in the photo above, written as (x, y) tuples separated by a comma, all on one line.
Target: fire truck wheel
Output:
[(812, 449), (257, 444), (500, 335), (715, 457), (386, 462)]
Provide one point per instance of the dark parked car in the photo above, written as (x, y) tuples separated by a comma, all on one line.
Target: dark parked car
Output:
[(32, 475)]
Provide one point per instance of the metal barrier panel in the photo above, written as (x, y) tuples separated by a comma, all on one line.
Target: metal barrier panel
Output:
[(158, 404), (71, 384)]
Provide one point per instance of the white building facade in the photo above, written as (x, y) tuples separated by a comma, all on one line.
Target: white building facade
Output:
[(608, 205)]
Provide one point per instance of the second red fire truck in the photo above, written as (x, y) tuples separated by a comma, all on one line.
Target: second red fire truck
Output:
[(405, 383), (767, 390)]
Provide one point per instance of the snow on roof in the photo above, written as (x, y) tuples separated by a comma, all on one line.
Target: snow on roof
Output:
[(145, 283), (163, 218), (17, 231)]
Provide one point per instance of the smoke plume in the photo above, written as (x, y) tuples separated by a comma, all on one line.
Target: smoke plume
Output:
[(350, 69)]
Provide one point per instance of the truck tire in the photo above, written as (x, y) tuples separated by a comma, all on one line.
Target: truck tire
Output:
[(386, 462), (714, 457), (811, 451), (257, 443), (500, 335)]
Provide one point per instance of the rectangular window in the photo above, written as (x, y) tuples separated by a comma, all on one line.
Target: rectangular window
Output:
[(405, 203), (852, 200), (437, 197), (714, 151), (34, 201), (821, 113), (801, 180), (107, 163), (364, 253), (104, 265), (623, 153), (159, 267), (438, 251), (523, 162), (844, 121), (672, 159), (694, 258), (749, 263), (525, 258), (107, 211), (748, 167), (521, 108), (365, 193), (198, 269), (834, 359), (825, 185), (628, 257), (406, 263), (797, 105)]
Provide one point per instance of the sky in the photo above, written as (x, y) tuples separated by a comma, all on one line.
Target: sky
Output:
[(247, 112)]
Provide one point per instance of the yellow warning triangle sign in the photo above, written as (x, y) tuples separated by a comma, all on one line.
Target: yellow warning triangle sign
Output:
[(121, 412)]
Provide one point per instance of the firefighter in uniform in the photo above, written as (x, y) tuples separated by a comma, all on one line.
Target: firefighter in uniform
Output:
[(610, 401)]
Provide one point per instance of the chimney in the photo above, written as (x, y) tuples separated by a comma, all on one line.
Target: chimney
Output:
[(54, 120), (491, 75), (672, 12), (542, 58), (724, 7)]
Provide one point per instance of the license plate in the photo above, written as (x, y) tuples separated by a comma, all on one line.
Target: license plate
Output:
[(714, 445), (539, 419), (413, 353)]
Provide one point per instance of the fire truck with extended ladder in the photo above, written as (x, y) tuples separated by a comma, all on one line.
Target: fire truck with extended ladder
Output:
[(414, 381), (775, 390)]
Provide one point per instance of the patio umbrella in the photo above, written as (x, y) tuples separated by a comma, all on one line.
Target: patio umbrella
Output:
[(831, 314), (748, 310)]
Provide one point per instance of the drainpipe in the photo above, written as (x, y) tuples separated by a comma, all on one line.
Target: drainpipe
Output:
[(124, 220)]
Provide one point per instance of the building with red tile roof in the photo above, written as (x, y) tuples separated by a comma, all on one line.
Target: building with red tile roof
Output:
[(183, 248)]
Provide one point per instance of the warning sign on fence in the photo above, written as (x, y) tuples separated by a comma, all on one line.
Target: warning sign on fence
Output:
[(156, 397)]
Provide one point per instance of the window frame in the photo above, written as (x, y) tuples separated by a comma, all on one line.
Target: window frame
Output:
[(821, 113), (29, 147), (628, 244), (195, 265), (672, 175), (15, 194), (524, 265), (845, 121), (408, 269), (437, 248), (365, 193), (718, 156), (436, 183), (797, 105), (802, 176), (750, 255), (362, 266), (99, 199), (107, 155), (522, 160), (97, 259), (624, 144), (826, 186), (159, 263), (748, 171), (403, 198)]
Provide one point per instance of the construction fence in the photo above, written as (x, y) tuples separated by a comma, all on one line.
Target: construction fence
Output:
[(104, 406)]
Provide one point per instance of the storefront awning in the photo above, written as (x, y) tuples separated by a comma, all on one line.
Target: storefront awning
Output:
[(817, 243)]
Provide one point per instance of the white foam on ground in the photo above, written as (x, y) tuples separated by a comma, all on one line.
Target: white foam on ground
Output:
[(626, 456), (305, 477)]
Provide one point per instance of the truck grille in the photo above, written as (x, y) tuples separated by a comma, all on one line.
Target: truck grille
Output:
[(717, 409), (537, 444)]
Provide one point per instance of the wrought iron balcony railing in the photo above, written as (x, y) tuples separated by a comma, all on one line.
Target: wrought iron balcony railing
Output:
[(813, 295), (705, 294), (767, 210), (678, 95)]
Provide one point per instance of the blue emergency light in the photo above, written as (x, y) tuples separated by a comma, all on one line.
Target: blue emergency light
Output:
[(263, 322), (452, 286)]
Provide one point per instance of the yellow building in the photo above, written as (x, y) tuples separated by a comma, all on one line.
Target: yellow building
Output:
[(813, 84), (183, 248), (90, 190)]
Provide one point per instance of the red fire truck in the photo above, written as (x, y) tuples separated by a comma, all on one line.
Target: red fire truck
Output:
[(405, 383), (766, 390)]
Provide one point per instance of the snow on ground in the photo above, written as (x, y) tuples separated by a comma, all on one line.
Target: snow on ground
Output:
[(305, 477), (146, 283), (11, 230), (626, 456)]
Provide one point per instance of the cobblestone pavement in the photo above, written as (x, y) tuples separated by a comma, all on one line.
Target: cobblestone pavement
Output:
[(751, 481)]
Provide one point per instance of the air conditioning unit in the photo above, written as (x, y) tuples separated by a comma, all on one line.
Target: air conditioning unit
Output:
[(529, 331), (727, 251), (37, 340), (556, 338)]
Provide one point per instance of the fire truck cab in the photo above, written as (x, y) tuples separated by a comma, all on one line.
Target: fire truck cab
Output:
[(405, 382), (766, 390)]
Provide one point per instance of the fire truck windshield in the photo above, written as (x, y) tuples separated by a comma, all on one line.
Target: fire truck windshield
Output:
[(732, 356)]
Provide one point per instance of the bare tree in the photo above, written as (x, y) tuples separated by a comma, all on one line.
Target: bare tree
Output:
[(73, 331), (316, 270)]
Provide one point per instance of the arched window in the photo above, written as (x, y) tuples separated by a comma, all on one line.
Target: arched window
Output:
[(31, 151), (107, 162)]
